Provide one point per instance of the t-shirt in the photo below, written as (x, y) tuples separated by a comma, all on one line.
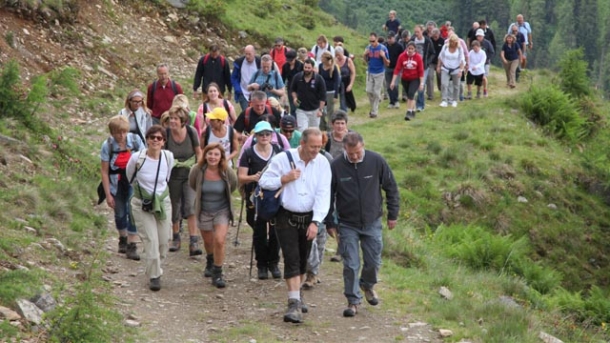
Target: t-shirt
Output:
[(182, 151), (294, 141), (511, 53), (213, 195), (247, 71), (373, 56), (393, 25)]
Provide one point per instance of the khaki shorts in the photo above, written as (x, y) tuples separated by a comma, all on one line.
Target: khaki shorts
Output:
[(207, 220)]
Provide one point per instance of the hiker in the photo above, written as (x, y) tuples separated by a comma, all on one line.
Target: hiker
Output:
[(276, 138), (253, 160), (376, 57), (213, 99), (488, 34), (394, 50), (438, 42), (308, 91), (392, 24), (489, 50), (451, 66), (278, 53), (425, 48), (219, 132), (213, 181), (339, 42), (305, 201), (329, 71), (347, 69), (267, 79), (250, 116), (410, 66), (213, 67), (525, 28), (511, 54), (476, 69), (464, 49), (292, 67), (321, 46), (136, 112), (243, 70), (182, 141), (288, 128), (149, 172), (114, 155), (520, 40), (471, 35), (302, 54), (161, 93), (358, 177)]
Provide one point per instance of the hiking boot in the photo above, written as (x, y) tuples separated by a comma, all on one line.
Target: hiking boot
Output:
[(209, 262), (194, 249), (132, 252), (263, 273), (310, 281), (175, 246), (304, 307), (155, 284), (370, 295), (372, 115), (336, 258), (217, 279), (408, 116), (122, 245), (275, 271), (293, 313), (350, 311), (478, 94), (469, 96)]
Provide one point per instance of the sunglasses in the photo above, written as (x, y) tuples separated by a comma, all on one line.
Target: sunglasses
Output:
[(155, 138), (372, 41), (288, 131), (264, 134)]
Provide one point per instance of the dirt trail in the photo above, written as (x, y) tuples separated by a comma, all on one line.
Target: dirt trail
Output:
[(189, 309)]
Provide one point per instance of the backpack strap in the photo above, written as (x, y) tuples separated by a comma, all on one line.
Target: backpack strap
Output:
[(139, 164), (280, 141), (247, 117)]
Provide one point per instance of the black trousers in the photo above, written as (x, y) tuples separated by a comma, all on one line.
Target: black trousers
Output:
[(291, 231)]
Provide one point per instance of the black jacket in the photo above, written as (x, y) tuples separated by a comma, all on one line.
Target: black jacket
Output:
[(428, 52), (213, 70), (356, 190)]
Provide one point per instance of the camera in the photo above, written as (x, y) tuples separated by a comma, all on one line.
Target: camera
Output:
[(265, 87), (147, 205)]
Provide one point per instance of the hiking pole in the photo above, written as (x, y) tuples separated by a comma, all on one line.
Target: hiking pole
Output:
[(251, 257), (241, 212)]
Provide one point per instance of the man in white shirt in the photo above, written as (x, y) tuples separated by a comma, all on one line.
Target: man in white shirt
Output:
[(305, 203)]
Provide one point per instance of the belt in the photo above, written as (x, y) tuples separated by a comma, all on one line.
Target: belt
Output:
[(298, 217)]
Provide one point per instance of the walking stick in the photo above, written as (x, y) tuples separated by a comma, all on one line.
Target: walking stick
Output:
[(241, 212), (251, 258)]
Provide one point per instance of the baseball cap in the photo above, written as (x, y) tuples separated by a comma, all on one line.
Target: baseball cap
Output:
[(262, 126), (291, 55), (288, 122), (218, 113), (480, 32)]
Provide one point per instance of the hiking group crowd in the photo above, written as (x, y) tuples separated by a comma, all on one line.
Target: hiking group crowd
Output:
[(165, 164)]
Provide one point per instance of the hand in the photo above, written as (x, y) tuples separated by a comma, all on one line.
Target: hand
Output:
[(348, 88), (421, 86), (392, 86), (391, 224), (256, 177), (319, 113), (531, 46), (312, 231), (332, 232), (195, 95), (294, 174), (110, 201)]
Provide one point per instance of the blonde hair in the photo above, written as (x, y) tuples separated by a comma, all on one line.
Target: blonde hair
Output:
[(182, 101), (118, 124), (181, 112)]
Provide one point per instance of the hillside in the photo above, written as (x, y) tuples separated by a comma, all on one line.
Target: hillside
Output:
[(493, 208)]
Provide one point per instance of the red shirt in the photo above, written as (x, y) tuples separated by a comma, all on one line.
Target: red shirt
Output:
[(279, 56), (163, 98), (412, 67)]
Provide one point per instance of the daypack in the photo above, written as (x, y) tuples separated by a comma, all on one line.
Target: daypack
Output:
[(249, 111), (101, 194), (208, 132), (207, 57), (267, 202), (154, 88)]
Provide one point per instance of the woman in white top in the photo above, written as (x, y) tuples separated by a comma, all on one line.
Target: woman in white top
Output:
[(136, 112), (451, 65), (213, 99), (148, 172)]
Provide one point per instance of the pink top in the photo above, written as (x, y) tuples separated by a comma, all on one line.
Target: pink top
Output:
[(206, 108)]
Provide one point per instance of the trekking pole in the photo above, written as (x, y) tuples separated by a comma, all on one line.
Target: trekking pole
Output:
[(251, 258), (241, 212)]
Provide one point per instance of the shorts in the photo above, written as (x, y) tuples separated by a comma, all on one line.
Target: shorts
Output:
[(476, 79), (207, 220), (411, 87)]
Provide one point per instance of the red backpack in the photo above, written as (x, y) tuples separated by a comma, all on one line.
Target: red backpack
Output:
[(207, 57)]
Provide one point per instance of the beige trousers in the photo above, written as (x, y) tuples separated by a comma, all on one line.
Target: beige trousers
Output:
[(155, 235)]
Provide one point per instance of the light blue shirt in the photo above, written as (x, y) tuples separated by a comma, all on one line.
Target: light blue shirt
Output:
[(525, 29), (274, 79)]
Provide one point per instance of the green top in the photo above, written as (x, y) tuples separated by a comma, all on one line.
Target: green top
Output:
[(295, 140)]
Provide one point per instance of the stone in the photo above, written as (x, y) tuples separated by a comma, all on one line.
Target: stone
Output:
[(508, 302), (170, 39), (552, 206), (417, 324), (173, 17), (546, 338), (45, 302), (242, 34), (130, 323), (30, 311), (57, 244), (522, 199), (9, 314), (445, 333), (178, 3), (445, 293)]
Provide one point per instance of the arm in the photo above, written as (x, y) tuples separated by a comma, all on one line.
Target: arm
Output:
[(236, 79), (234, 145), (195, 170), (198, 76), (388, 184), (384, 56), (232, 179), (149, 99), (227, 78), (337, 81), (106, 183), (232, 114), (244, 178), (352, 74)]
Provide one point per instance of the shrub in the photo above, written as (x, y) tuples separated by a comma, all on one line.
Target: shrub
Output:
[(573, 74)]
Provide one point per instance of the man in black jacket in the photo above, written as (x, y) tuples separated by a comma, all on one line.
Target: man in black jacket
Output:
[(358, 177), (213, 67), (394, 50), (425, 48)]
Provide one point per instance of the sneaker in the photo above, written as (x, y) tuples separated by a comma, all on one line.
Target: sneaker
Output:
[(372, 115), (485, 93), (370, 295), (478, 95), (209, 263), (469, 96), (155, 284), (175, 246), (122, 245), (275, 271), (444, 104), (390, 106), (293, 313), (263, 273), (194, 249), (419, 109), (397, 105), (132, 252), (454, 104), (350, 311), (336, 258), (310, 281)]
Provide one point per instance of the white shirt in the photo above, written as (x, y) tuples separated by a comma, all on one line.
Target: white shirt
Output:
[(311, 192), (451, 60), (477, 59), (148, 170), (247, 70)]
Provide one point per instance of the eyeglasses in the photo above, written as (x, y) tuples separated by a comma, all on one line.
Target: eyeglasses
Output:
[(372, 41), (263, 134), (136, 101), (155, 138)]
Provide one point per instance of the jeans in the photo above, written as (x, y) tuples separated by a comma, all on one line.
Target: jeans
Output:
[(241, 99), (329, 110), (421, 102), (374, 84), (369, 239), (392, 94), (122, 210), (342, 101)]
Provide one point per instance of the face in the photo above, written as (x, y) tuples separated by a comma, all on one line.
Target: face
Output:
[(328, 60), (430, 27), (373, 41), (266, 67), (321, 43), (163, 75), (307, 69), (354, 153), (174, 121), (214, 54), (417, 31), (480, 38), (278, 46), (391, 15), (520, 19), (339, 126), (391, 40), (263, 137), (135, 103), (213, 157), (509, 39), (155, 141), (514, 29), (411, 50), (250, 53), (258, 106), (120, 136), (216, 123), (213, 93), (476, 48), (287, 132), (311, 148)]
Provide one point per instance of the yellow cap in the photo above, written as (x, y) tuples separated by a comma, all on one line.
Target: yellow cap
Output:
[(217, 113)]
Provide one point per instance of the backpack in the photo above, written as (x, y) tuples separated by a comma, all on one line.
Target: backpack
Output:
[(154, 88), (208, 132), (207, 57), (101, 194), (267, 202), (249, 111)]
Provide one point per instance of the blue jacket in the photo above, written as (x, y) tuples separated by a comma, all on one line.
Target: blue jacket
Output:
[(236, 74)]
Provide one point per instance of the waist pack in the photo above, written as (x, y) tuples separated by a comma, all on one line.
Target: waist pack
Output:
[(267, 202)]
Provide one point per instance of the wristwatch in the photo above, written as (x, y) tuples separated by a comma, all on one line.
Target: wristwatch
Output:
[(316, 223)]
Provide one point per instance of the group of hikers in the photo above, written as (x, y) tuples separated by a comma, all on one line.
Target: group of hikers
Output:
[(166, 164)]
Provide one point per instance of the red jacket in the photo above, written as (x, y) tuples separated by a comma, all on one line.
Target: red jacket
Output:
[(412, 67)]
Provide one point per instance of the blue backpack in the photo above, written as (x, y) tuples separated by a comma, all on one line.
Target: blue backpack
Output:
[(267, 202)]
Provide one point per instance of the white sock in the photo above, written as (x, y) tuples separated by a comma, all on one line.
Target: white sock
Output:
[(294, 295)]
